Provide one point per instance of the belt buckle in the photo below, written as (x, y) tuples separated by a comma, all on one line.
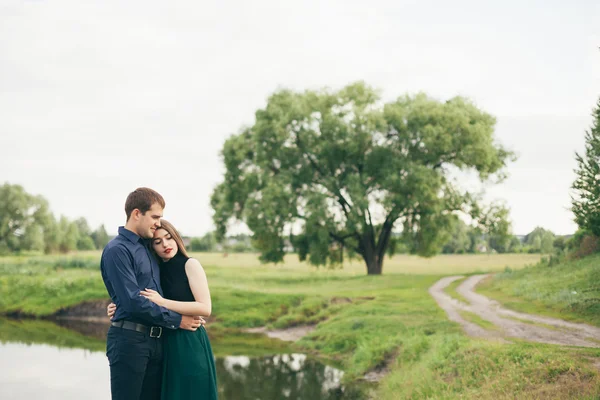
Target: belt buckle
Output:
[(152, 331)]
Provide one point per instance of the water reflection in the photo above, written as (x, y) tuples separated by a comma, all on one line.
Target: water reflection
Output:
[(90, 329), (52, 373), (39, 359), (287, 376)]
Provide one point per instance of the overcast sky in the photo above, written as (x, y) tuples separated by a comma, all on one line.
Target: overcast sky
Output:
[(100, 97)]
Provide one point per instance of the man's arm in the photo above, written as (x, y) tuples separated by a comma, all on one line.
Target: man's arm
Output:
[(198, 284), (119, 269)]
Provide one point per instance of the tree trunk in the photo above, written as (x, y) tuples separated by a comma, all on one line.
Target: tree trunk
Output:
[(374, 263), (373, 254)]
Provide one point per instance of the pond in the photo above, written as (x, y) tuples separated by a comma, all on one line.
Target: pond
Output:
[(42, 359)]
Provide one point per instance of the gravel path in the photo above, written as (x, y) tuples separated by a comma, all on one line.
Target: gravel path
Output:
[(545, 330)]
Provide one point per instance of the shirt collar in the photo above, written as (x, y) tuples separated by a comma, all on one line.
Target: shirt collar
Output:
[(133, 238)]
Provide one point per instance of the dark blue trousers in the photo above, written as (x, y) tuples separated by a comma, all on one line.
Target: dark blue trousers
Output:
[(135, 361)]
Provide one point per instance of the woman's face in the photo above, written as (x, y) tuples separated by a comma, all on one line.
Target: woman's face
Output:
[(164, 245)]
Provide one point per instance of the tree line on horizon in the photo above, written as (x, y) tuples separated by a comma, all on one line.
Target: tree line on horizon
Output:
[(464, 240), (27, 224)]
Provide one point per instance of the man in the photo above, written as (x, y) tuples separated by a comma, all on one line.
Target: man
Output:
[(134, 344)]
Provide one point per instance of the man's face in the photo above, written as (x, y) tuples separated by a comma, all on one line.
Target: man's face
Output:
[(150, 221)]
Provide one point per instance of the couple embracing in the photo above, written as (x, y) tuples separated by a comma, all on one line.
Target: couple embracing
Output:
[(157, 346)]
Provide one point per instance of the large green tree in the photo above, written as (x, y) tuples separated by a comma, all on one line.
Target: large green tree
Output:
[(586, 197), (22, 219), (341, 169)]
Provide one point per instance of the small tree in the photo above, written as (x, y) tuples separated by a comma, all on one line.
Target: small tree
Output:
[(100, 237), (559, 244), (515, 245), (497, 228), (204, 243), (459, 242), (85, 240), (69, 235), (586, 197), (33, 238), (547, 245), (22, 216), (540, 240)]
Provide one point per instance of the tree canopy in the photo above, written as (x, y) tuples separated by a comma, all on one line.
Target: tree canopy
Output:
[(586, 197), (540, 240), (26, 224), (23, 219), (339, 170)]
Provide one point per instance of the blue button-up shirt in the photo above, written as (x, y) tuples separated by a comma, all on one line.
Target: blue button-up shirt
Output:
[(128, 266)]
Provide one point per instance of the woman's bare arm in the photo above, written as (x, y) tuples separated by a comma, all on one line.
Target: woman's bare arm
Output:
[(199, 285)]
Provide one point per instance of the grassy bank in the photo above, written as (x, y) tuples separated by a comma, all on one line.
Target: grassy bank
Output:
[(367, 323), (225, 343), (45, 332), (570, 290)]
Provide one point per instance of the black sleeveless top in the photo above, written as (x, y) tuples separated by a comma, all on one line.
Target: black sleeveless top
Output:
[(174, 280)]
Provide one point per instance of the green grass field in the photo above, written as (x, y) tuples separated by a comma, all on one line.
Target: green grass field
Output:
[(399, 264), (570, 290), (451, 290), (366, 323)]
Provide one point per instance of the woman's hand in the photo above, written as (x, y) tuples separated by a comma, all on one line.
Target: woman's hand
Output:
[(111, 309), (153, 296)]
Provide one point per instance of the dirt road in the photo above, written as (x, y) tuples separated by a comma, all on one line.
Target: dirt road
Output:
[(509, 324)]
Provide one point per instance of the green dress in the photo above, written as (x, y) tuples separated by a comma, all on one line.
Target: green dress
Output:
[(188, 363)]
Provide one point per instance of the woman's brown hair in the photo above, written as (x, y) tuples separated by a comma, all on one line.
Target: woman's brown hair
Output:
[(167, 226)]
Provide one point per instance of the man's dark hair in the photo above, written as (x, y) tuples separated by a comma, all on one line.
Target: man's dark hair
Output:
[(142, 199)]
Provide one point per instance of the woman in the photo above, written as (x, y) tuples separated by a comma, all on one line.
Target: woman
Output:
[(188, 368)]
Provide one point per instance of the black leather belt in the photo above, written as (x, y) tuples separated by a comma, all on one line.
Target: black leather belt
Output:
[(155, 331)]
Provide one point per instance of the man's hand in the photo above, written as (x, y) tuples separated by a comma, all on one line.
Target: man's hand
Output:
[(191, 323), (110, 310), (187, 323)]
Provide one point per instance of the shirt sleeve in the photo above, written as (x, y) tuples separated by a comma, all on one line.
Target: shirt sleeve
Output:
[(119, 270)]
